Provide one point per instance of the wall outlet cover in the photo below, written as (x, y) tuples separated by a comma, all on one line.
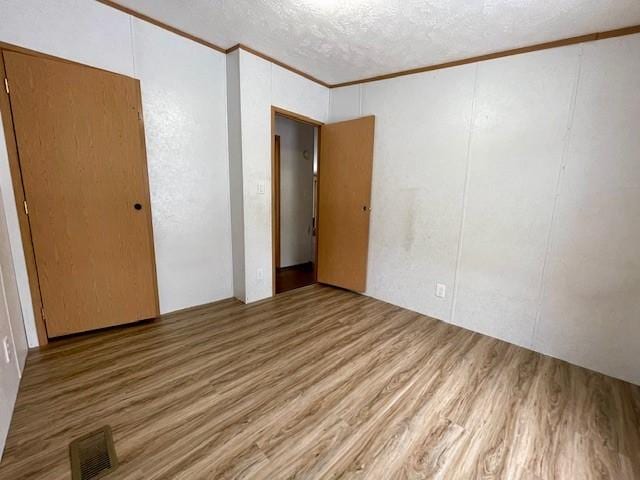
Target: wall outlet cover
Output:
[(6, 346), (441, 290)]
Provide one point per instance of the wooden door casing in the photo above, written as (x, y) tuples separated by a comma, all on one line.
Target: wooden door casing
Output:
[(276, 199)]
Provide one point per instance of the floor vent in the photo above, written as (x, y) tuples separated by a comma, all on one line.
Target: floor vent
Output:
[(93, 456)]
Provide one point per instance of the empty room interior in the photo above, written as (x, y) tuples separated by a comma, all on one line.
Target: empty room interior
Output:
[(319, 239)]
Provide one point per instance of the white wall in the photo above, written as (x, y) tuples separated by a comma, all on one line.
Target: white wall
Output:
[(15, 243), (11, 327), (185, 107), (296, 191), (11, 295), (263, 85), (184, 104), (590, 311), (420, 157), (515, 183), (521, 114), (235, 173)]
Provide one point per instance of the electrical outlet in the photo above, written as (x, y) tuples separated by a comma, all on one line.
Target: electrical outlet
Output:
[(441, 290), (260, 274), (261, 188), (7, 349)]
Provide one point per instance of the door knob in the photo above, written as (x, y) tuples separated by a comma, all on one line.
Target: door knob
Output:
[(137, 206)]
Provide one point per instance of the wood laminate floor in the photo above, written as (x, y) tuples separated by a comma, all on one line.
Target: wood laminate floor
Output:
[(320, 383)]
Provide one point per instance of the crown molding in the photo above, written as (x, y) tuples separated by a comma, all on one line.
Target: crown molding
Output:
[(157, 23), (279, 63), (504, 53), (619, 32)]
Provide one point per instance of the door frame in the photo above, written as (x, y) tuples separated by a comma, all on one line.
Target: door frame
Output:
[(275, 194), (275, 179), (18, 186)]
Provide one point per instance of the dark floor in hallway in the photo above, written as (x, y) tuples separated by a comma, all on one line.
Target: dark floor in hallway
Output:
[(295, 276)]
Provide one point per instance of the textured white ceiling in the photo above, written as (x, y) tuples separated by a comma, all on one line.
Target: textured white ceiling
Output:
[(343, 40)]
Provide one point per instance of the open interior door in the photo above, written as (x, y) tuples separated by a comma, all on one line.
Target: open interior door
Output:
[(344, 195)]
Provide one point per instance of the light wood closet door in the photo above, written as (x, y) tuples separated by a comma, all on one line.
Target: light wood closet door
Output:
[(81, 146), (344, 195)]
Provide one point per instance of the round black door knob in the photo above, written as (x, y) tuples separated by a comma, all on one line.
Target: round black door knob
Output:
[(137, 206)]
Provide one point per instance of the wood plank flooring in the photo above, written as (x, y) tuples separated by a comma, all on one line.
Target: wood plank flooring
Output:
[(320, 383)]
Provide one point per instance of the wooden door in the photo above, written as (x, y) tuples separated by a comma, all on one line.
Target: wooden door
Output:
[(344, 195), (81, 146)]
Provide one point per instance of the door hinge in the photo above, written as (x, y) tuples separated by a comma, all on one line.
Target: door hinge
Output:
[(6, 84), (44, 317), (26, 208)]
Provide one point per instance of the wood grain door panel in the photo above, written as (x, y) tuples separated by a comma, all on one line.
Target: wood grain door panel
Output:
[(82, 155), (344, 195)]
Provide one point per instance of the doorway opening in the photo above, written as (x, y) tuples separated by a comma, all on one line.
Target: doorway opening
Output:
[(295, 184)]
